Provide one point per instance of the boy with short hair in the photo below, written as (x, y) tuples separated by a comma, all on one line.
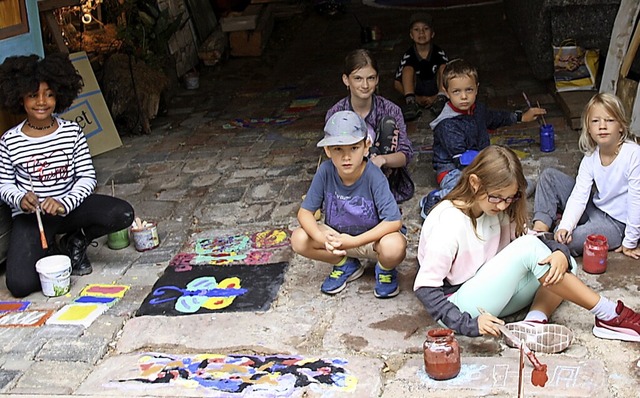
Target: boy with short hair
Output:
[(362, 219), (461, 130), (418, 76)]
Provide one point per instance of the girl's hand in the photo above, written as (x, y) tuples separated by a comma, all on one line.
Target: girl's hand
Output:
[(559, 266), (562, 236), (378, 160), (633, 253), (532, 114), (52, 206), (487, 324), (29, 202)]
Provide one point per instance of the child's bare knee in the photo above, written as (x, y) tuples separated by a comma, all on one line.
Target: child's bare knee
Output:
[(393, 247), (299, 240)]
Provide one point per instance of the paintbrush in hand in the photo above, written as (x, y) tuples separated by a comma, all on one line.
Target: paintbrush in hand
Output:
[(43, 238), (529, 105), (544, 122)]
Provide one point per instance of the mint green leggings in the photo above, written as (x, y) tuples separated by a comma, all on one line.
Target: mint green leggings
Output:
[(508, 282)]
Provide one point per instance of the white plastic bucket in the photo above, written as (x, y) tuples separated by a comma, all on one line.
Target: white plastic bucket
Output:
[(55, 275)]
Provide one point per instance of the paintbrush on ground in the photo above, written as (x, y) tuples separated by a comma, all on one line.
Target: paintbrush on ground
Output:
[(43, 238)]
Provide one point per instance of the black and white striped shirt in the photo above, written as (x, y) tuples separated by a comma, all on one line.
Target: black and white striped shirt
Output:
[(59, 165)]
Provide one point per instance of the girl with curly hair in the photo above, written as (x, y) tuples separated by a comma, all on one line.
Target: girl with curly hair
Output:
[(46, 167)]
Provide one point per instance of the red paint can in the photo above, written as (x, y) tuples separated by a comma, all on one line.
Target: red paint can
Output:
[(594, 256), (441, 354)]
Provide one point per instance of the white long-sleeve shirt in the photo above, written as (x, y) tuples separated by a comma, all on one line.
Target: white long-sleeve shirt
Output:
[(59, 165), (617, 191)]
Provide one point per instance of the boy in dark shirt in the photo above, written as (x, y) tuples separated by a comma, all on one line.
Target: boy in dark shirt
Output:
[(462, 129), (418, 76)]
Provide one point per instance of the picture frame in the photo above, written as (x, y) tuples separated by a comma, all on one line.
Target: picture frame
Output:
[(13, 18)]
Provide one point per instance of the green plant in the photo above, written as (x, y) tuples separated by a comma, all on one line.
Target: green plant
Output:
[(147, 30)]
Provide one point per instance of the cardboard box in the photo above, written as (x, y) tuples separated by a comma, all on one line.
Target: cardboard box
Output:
[(248, 20), (251, 43), (90, 110)]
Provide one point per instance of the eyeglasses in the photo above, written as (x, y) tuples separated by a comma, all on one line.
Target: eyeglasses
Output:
[(497, 199)]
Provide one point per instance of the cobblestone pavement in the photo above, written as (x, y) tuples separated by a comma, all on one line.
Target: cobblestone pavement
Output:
[(196, 173)]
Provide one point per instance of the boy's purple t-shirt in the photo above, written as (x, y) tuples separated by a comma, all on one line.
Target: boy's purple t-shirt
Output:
[(352, 209)]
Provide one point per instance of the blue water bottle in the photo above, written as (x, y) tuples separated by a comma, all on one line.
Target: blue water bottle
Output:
[(547, 138)]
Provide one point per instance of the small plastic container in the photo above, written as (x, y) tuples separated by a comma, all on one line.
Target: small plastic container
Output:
[(55, 275), (547, 138), (145, 238), (594, 255), (441, 354)]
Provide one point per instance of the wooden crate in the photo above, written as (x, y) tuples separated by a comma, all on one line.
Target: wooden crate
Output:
[(251, 43), (572, 104), (247, 20)]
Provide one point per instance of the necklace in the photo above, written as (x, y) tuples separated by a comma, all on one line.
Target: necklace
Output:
[(53, 121)]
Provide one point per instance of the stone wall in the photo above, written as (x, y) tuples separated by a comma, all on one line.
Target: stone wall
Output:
[(182, 45), (540, 25)]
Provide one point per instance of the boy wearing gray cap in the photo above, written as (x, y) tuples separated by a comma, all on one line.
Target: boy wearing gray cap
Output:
[(362, 218), (418, 76)]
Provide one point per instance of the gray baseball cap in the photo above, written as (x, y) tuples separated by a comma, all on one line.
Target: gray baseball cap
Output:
[(344, 128)]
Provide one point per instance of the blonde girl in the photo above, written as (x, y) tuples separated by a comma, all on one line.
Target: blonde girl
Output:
[(611, 165), (473, 254)]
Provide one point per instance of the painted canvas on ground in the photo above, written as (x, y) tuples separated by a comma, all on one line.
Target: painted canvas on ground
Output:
[(77, 314), (9, 306), (251, 248), (205, 289), (28, 318), (241, 375), (104, 290)]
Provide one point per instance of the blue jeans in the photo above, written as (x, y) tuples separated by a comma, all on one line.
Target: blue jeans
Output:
[(552, 194), (449, 182)]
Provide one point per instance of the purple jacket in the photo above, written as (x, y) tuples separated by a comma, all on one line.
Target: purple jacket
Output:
[(400, 181)]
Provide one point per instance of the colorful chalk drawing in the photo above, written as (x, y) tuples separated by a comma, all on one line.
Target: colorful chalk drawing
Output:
[(77, 314), (108, 301), (298, 105), (201, 292), (504, 377), (28, 318), (102, 290), (248, 248), (9, 306), (182, 262), (273, 376)]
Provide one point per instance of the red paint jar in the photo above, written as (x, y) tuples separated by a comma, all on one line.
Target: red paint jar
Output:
[(441, 354), (594, 256)]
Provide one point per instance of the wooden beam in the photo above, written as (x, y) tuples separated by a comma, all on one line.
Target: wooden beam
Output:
[(620, 39)]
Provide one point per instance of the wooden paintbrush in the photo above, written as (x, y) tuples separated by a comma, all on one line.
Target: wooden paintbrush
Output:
[(529, 105), (544, 122), (43, 238)]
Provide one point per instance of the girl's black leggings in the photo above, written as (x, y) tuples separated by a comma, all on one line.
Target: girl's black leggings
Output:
[(97, 215)]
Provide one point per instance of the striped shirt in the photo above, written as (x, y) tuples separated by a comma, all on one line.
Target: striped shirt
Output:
[(59, 165)]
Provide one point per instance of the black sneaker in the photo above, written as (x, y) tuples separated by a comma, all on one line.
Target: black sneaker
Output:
[(411, 111), (438, 104)]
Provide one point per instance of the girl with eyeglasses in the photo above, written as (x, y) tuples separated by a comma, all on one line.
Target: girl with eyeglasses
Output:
[(611, 164), (473, 253)]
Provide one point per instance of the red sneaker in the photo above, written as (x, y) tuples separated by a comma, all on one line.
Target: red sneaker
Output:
[(541, 336), (626, 326)]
